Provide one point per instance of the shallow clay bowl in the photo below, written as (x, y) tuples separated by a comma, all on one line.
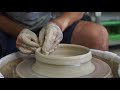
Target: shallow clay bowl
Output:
[(67, 61), (66, 54)]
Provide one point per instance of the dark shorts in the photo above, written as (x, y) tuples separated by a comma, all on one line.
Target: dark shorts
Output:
[(8, 44), (67, 34)]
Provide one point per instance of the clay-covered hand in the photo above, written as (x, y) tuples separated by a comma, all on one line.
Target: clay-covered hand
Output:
[(49, 38), (27, 41)]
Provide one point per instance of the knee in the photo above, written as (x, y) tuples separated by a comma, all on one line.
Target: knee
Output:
[(91, 35)]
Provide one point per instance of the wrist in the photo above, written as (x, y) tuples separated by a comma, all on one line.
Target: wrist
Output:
[(24, 30), (62, 23)]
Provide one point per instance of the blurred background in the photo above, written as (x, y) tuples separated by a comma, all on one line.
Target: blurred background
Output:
[(111, 20)]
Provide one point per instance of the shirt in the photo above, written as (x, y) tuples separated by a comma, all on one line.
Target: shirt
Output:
[(32, 20)]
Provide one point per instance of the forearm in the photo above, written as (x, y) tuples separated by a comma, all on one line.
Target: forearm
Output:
[(67, 19), (9, 27)]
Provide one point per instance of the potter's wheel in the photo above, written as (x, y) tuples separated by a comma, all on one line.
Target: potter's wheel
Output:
[(102, 70), (67, 61), (24, 69)]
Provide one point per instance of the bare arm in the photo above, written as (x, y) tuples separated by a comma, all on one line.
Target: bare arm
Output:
[(67, 19), (9, 27)]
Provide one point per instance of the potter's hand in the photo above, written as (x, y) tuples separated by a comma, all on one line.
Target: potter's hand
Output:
[(49, 37), (27, 41)]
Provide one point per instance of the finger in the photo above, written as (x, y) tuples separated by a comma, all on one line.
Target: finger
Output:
[(52, 49), (44, 52), (34, 38), (49, 49), (49, 41), (29, 48), (30, 34), (56, 42), (28, 41), (25, 51), (50, 38), (42, 36), (18, 42)]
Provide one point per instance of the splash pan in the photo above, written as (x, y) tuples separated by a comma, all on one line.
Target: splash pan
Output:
[(102, 70)]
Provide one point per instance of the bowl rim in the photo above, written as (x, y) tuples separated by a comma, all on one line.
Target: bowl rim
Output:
[(37, 53)]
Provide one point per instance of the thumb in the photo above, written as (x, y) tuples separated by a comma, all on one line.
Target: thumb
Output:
[(42, 36)]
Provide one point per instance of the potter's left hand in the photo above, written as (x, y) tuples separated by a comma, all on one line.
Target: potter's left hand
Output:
[(49, 37)]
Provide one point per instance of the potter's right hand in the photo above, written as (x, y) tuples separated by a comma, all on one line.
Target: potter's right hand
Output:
[(27, 42)]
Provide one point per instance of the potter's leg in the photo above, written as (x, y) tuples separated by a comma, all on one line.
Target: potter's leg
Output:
[(3, 44), (7, 44), (91, 35), (67, 34)]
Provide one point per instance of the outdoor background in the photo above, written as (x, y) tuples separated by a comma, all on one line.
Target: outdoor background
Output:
[(111, 20)]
